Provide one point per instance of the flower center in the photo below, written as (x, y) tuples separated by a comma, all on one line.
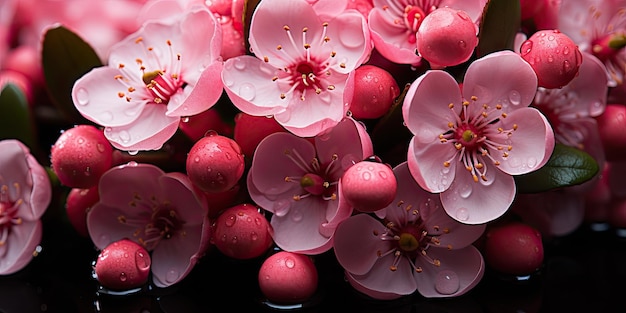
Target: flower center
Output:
[(607, 47), (8, 214), (476, 136), (319, 180), (155, 221), (160, 76)]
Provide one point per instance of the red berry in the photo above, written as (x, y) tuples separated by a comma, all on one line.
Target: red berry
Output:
[(215, 163), (369, 186), (513, 248), (80, 156), (612, 130), (250, 130), (287, 278), (123, 265), (374, 92), (446, 37), (196, 126), (78, 203), (554, 57), (242, 232)]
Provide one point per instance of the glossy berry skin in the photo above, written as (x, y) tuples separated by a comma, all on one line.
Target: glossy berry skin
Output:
[(77, 204), (513, 248), (446, 37), (242, 232), (215, 163), (369, 186), (374, 92), (249, 130), (80, 156), (123, 265), (288, 278), (554, 57), (612, 130)]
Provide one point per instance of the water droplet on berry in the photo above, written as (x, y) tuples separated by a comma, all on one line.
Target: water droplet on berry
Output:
[(82, 96), (447, 282), (254, 236), (247, 91), (230, 220), (462, 214), (462, 44), (123, 276), (290, 263)]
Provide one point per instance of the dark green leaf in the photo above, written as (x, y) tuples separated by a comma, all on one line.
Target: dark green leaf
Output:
[(500, 23), (66, 57), (567, 167), (15, 116)]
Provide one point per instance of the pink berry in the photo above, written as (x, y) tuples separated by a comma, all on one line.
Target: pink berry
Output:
[(242, 232), (123, 265), (250, 130), (554, 57), (77, 204), (369, 186), (374, 92), (612, 129), (446, 37), (288, 278), (26, 60), (513, 248), (196, 126), (80, 156), (215, 163)]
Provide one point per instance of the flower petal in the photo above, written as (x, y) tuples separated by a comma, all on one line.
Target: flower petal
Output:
[(344, 142), (501, 77), (202, 96), (356, 243), (426, 165), (298, 230), (177, 190), (174, 258), (201, 44), (19, 246), (391, 40), (350, 39), (381, 279), (479, 202), (532, 142), (464, 267)]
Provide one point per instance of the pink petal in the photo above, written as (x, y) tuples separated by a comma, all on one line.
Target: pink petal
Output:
[(426, 165), (41, 193), (343, 141), (95, 96), (464, 267), (457, 235), (383, 280), (201, 45), (174, 258), (356, 245), (20, 245), (149, 132), (177, 189), (532, 142), (298, 230), (501, 78), (479, 202), (588, 90), (553, 213), (391, 40), (274, 203), (105, 227), (371, 293), (203, 95), (350, 39), (248, 83)]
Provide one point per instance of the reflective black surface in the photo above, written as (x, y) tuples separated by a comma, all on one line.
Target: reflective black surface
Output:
[(582, 272)]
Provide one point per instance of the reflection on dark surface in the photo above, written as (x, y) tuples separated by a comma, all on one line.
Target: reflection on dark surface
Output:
[(582, 272)]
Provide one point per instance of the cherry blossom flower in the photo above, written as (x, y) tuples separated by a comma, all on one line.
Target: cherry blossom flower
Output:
[(299, 183), (599, 28), (468, 143), (302, 72), (160, 211), (394, 24), (417, 247), (164, 71), (25, 192)]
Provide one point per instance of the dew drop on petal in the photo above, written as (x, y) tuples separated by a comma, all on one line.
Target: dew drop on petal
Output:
[(462, 214), (172, 275), (296, 216), (447, 282), (532, 162), (82, 96), (239, 64), (514, 97), (124, 136), (281, 207), (247, 91), (465, 191)]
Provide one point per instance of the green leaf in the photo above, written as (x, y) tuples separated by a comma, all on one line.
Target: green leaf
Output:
[(15, 116), (500, 23), (567, 166), (66, 57)]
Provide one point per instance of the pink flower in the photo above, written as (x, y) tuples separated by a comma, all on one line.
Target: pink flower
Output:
[(417, 247), (25, 193), (302, 72), (165, 71), (160, 211), (394, 24), (599, 28), (468, 143), (298, 182)]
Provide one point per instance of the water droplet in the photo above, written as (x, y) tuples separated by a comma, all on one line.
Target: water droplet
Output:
[(462, 44), (82, 96), (465, 191), (247, 91), (210, 133), (366, 176), (172, 275), (532, 162), (596, 108), (133, 152), (515, 162), (230, 220), (383, 175), (123, 276), (196, 159), (257, 221), (185, 119), (281, 207), (567, 66), (447, 282), (239, 64), (106, 116), (289, 262), (254, 236), (514, 97), (124, 136), (234, 240), (296, 216), (462, 214), (100, 147), (142, 260)]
